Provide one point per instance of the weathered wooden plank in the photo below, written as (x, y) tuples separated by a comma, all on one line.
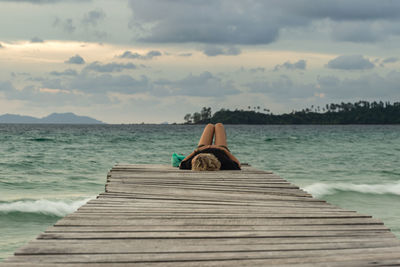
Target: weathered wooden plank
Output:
[(237, 190), (390, 252), (204, 216), (73, 220), (114, 228), (188, 206), (225, 185), (127, 171), (130, 196), (52, 247), (209, 234), (382, 259), (110, 198), (208, 194), (231, 210)]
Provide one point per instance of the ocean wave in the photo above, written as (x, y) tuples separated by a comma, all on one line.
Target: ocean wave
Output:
[(323, 189), (41, 139), (43, 206), (287, 138)]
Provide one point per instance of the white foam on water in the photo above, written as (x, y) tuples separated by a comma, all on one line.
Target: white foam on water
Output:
[(323, 189), (43, 206)]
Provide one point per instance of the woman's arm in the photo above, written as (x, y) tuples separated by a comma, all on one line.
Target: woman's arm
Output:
[(194, 151)]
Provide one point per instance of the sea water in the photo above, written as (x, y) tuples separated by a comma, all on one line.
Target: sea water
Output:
[(48, 171)]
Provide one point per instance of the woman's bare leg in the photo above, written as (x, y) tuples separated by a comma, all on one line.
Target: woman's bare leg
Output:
[(220, 135), (207, 136)]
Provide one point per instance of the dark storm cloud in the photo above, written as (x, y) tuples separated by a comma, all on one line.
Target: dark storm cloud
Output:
[(340, 10), (93, 17), (109, 67), (257, 21), (209, 21), (149, 55), (37, 40), (299, 65), (77, 59), (202, 85), (212, 51), (350, 62), (67, 72)]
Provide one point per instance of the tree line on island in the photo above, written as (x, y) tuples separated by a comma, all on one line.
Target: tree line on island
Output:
[(361, 112)]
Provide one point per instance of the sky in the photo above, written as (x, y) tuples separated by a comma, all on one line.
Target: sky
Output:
[(153, 61)]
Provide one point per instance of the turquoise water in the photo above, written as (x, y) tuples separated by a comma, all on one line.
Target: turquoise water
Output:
[(47, 171)]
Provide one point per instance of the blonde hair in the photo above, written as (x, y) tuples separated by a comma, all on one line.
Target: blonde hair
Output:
[(205, 162)]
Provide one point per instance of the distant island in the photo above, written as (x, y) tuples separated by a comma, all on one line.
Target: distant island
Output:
[(54, 118), (361, 112)]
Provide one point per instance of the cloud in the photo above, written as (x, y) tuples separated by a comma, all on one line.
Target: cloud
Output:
[(251, 70), (258, 69), (37, 40), (299, 65), (149, 55), (81, 89), (67, 25), (202, 85), (6, 86), (43, 1), (210, 21), (212, 51), (350, 62), (39, 95), (77, 59), (86, 27), (109, 67), (341, 10), (67, 72), (373, 86), (259, 21), (100, 84), (92, 18), (185, 54), (359, 32), (390, 60), (283, 88)]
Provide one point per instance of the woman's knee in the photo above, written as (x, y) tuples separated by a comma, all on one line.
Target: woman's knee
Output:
[(210, 126)]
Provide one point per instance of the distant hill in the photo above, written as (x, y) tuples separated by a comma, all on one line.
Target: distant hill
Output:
[(60, 118)]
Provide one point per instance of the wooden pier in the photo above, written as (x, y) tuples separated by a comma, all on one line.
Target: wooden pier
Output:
[(156, 215)]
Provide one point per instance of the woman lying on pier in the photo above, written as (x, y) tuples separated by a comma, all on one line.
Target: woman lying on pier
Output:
[(211, 157)]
